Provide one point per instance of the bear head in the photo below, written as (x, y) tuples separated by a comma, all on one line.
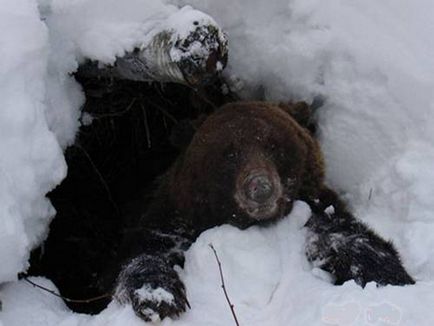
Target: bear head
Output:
[(245, 165)]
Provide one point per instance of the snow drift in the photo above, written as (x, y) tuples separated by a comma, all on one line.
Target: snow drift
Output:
[(31, 161), (372, 63)]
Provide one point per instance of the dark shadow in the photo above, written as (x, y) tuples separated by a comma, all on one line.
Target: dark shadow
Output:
[(112, 164)]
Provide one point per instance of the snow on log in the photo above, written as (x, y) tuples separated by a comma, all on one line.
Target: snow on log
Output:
[(187, 48)]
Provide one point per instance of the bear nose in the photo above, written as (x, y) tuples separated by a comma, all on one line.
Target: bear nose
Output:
[(259, 189)]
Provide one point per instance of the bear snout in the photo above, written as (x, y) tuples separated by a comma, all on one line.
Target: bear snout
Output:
[(258, 192), (259, 188)]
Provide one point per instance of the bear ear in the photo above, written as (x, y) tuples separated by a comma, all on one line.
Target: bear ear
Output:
[(302, 113), (182, 133), (299, 111)]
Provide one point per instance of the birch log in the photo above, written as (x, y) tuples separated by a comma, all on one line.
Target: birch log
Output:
[(187, 48)]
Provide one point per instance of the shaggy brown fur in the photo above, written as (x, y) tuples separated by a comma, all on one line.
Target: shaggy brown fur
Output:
[(202, 184)]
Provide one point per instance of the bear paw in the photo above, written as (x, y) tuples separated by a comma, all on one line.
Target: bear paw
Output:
[(154, 304), (152, 287)]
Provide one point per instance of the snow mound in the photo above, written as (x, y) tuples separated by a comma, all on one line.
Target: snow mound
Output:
[(268, 280), (31, 160)]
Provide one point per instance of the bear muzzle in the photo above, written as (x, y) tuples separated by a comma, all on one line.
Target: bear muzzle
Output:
[(259, 192), (258, 188)]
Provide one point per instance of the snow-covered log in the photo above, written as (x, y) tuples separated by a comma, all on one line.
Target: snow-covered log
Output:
[(188, 48)]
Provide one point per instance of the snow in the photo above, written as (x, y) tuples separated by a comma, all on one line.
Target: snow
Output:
[(86, 30), (329, 210), (267, 278), (31, 161), (372, 63), (158, 295), (103, 29)]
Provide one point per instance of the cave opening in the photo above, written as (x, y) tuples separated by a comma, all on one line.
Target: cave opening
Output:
[(126, 140)]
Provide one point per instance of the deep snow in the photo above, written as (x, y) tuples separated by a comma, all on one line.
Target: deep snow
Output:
[(372, 62), (31, 160)]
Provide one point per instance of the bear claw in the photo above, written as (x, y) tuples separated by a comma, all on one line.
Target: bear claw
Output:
[(152, 287)]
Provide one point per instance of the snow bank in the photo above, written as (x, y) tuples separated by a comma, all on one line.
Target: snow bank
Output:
[(372, 62), (268, 280), (101, 29), (31, 161)]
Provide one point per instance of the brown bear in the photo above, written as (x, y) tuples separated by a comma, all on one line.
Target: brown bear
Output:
[(245, 165)]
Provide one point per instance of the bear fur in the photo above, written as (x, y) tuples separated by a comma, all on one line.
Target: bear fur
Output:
[(240, 137), (246, 164)]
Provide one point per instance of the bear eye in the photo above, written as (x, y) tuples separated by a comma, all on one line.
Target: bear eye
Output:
[(277, 151), (231, 153)]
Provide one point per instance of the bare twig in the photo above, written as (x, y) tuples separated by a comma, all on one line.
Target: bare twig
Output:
[(204, 98), (145, 122), (163, 111), (103, 296), (101, 178), (223, 285), (114, 114)]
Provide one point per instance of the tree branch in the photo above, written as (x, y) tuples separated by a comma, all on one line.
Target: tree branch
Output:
[(223, 285), (103, 296)]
